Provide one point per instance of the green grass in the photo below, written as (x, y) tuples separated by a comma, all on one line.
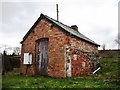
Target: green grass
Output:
[(106, 77)]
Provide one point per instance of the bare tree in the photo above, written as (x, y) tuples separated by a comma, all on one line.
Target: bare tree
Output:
[(16, 50)]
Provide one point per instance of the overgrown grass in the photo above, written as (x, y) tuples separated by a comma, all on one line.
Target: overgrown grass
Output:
[(106, 77)]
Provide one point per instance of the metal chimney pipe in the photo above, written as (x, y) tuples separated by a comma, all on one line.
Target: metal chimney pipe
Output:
[(57, 12)]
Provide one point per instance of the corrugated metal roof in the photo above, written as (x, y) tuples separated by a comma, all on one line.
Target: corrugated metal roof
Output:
[(70, 30), (63, 26)]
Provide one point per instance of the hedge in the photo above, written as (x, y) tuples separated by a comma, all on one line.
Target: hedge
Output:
[(10, 62)]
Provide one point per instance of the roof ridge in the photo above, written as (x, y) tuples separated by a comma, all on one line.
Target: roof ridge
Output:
[(57, 21), (63, 26), (71, 29)]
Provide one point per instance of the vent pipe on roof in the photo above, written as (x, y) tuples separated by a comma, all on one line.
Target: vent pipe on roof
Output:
[(74, 27), (57, 12)]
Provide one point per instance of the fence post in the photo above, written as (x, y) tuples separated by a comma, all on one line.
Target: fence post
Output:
[(0, 64), (3, 65), (0, 71)]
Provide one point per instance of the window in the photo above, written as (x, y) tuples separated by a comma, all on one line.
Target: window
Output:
[(27, 58)]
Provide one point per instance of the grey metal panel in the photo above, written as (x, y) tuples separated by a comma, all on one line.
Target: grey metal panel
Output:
[(65, 27), (70, 30)]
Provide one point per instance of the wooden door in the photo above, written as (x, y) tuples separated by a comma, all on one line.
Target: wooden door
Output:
[(43, 57)]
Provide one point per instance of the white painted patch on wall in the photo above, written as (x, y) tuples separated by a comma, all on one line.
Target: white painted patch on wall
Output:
[(69, 70), (83, 64), (75, 56), (67, 62)]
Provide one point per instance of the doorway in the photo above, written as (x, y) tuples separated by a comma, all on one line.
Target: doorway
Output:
[(42, 56), (68, 62)]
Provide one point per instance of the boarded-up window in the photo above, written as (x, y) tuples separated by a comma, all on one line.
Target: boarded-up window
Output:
[(27, 58)]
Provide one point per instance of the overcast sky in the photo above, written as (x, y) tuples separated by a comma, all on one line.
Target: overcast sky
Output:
[(96, 19)]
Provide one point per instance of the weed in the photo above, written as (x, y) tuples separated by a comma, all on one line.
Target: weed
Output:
[(106, 77)]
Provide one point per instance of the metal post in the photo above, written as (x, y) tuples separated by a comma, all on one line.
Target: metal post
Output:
[(57, 12)]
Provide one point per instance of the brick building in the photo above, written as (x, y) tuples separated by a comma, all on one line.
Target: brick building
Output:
[(53, 49)]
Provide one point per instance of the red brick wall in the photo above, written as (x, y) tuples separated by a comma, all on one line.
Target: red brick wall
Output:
[(78, 67), (82, 45), (55, 48), (57, 41), (81, 65)]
